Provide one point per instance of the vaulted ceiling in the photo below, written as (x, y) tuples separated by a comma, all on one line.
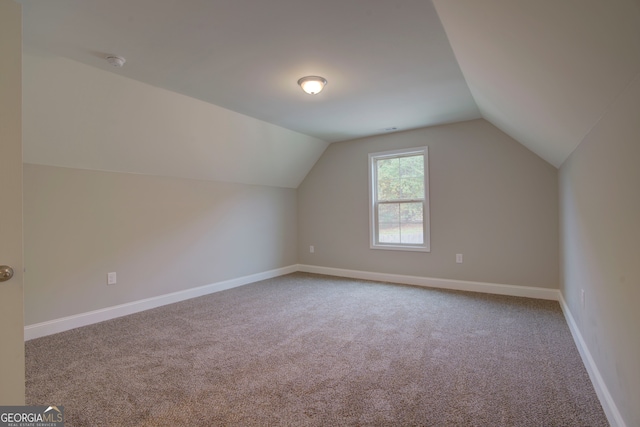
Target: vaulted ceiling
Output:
[(543, 71)]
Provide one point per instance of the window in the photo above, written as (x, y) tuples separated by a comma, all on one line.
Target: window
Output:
[(399, 200)]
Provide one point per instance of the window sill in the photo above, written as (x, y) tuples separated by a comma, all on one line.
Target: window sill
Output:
[(401, 248)]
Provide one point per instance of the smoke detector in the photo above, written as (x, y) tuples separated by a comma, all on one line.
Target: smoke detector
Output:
[(116, 61)]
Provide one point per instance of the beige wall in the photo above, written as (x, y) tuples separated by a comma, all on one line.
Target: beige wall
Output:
[(197, 194), (159, 234), (11, 292), (492, 200), (600, 237)]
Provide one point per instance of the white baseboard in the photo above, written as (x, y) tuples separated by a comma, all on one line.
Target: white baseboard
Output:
[(459, 285), (83, 319), (608, 405)]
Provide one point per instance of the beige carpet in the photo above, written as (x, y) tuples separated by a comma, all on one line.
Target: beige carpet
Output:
[(310, 350)]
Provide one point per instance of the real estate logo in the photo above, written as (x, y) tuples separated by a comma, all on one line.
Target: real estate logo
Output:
[(31, 416)]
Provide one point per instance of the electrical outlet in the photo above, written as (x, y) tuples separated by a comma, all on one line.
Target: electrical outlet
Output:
[(111, 278), (458, 258), (312, 249)]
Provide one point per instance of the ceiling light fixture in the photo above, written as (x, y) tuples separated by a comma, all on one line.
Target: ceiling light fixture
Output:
[(116, 61), (312, 84)]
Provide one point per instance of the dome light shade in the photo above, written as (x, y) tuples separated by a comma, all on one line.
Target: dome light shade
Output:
[(312, 84)]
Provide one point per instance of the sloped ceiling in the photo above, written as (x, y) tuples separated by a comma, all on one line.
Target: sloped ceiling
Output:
[(81, 117), (388, 63), (544, 71)]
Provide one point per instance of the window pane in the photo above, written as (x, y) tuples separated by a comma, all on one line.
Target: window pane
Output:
[(388, 185), (389, 223), (412, 166), (412, 188), (411, 223), (400, 223), (412, 177), (400, 178)]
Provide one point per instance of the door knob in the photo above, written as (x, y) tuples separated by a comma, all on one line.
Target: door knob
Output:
[(6, 273)]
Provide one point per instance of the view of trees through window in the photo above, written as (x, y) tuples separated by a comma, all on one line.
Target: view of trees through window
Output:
[(400, 196)]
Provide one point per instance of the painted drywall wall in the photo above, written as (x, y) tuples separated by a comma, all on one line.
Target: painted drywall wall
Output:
[(83, 117), (159, 234), (600, 231), (492, 200), (12, 384)]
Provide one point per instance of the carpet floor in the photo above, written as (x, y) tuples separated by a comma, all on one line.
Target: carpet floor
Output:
[(311, 350)]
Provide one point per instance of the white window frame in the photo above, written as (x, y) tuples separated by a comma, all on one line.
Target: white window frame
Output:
[(373, 202)]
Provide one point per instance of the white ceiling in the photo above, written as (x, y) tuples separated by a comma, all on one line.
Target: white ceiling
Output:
[(388, 62), (543, 71)]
